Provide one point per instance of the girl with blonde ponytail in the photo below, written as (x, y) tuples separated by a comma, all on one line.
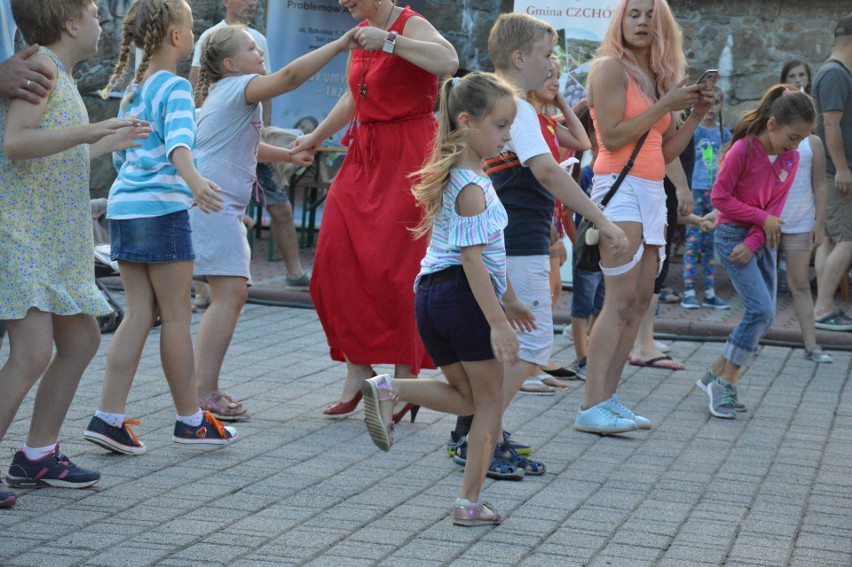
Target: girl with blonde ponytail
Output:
[(461, 283), (232, 83)]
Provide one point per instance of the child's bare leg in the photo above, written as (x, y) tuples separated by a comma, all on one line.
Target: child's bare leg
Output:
[(485, 431), (30, 348), (579, 332), (125, 350), (77, 338), (228, 294), (471, 389), (171, 282), (798, 262)]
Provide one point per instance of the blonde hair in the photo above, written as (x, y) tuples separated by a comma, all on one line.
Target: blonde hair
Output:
[(476, 94), (42, 21), (783, 102), (219, 45), (513, 32), (145, 26), (667, 60)]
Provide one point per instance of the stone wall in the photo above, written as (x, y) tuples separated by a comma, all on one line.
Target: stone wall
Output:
[(763, 34)]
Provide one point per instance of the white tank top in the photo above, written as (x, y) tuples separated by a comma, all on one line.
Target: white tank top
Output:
[(799, 211)]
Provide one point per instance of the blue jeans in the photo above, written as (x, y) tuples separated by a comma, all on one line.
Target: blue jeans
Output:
[(755, 283)]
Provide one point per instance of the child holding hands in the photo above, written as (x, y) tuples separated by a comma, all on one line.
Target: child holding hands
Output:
[(232, 83), (149, 229), (49, 296)]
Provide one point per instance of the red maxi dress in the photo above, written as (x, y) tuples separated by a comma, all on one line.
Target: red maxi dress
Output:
[(366, 259)]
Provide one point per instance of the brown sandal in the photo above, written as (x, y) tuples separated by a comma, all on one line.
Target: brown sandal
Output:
[(223, 407)]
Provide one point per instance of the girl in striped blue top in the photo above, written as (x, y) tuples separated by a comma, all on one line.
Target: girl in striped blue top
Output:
[(460, 286), (149, 228)]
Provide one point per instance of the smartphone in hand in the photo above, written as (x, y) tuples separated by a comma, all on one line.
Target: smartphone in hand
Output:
[(708, 77)]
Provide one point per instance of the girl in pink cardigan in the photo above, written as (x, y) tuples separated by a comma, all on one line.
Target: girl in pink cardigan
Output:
[(757, 170)]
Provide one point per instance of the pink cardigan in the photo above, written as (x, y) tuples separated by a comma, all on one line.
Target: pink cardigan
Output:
[(749, 187)]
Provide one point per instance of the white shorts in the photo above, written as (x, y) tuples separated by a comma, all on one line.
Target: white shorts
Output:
[(530, 278), (637, 200)]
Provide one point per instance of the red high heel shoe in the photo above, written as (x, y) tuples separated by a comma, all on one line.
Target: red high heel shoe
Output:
[(342, 409), (409, 407)]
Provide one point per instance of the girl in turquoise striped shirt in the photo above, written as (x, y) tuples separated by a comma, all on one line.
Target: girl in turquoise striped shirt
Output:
[(149, 229)]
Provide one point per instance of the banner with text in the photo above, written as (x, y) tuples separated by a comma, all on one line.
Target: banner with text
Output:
[(296, 27), (581, 25)]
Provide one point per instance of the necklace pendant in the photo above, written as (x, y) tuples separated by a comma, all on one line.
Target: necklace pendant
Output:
[(363, 89)]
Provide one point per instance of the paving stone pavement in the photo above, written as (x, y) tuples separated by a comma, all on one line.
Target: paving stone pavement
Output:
[(772, 487)]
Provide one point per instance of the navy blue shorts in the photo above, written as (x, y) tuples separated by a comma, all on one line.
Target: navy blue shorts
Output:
[(588, 294), (449, 319), (152, 240)]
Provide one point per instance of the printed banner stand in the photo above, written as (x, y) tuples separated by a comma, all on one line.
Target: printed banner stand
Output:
[(581, 26)]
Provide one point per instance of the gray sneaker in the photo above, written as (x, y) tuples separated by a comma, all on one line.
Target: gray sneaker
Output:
[(708, 378), (722, 396), (579, 368), (302, 283)]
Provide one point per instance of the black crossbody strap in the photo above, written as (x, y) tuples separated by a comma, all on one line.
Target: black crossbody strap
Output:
[(627, 167)]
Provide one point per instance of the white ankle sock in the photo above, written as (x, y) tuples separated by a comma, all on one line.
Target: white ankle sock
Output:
[(37, 453), (688, 293), (709, 293), (191, 420), (114, 419), (464, 502)]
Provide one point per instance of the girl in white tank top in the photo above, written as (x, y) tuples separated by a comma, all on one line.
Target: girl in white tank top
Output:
[(801, 233)]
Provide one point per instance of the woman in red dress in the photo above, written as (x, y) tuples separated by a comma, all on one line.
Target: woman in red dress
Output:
[(366, 259)]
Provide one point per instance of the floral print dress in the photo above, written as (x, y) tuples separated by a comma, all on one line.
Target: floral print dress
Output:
[(46, 244)]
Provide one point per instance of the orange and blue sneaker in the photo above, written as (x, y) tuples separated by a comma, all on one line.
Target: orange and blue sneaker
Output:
[(116, 439), (209, 432), (54, 469)]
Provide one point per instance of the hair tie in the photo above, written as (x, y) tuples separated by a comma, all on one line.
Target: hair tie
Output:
[(456, 80), (786, 92), (134, 87)]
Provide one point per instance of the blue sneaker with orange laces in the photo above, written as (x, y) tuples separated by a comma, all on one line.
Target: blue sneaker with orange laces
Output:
[(209, 432), (54, 469), (120, 440)]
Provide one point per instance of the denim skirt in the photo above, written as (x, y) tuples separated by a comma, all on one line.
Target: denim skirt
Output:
[(151, 240)]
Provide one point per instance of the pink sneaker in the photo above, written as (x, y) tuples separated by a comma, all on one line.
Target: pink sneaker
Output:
[(375, 391), (467, 513)]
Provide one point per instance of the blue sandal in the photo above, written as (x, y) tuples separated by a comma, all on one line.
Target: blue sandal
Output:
[(499, 468), (530, 467)]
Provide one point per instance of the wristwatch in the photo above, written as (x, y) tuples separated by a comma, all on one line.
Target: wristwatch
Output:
[(390, 42)]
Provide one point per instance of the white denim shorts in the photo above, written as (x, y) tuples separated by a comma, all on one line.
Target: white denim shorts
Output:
[(636, 200), (530, 278)]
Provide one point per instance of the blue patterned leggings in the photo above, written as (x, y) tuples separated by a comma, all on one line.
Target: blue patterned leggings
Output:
[(699, 246)]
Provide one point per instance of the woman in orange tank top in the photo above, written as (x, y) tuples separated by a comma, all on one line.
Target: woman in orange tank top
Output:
[(638, 81)]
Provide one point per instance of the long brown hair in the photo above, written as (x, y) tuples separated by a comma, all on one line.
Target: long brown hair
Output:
[(476, 94), (782, 102)]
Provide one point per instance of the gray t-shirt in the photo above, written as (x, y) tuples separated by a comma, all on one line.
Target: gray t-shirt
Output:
[(227, 138), (833, 91)]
